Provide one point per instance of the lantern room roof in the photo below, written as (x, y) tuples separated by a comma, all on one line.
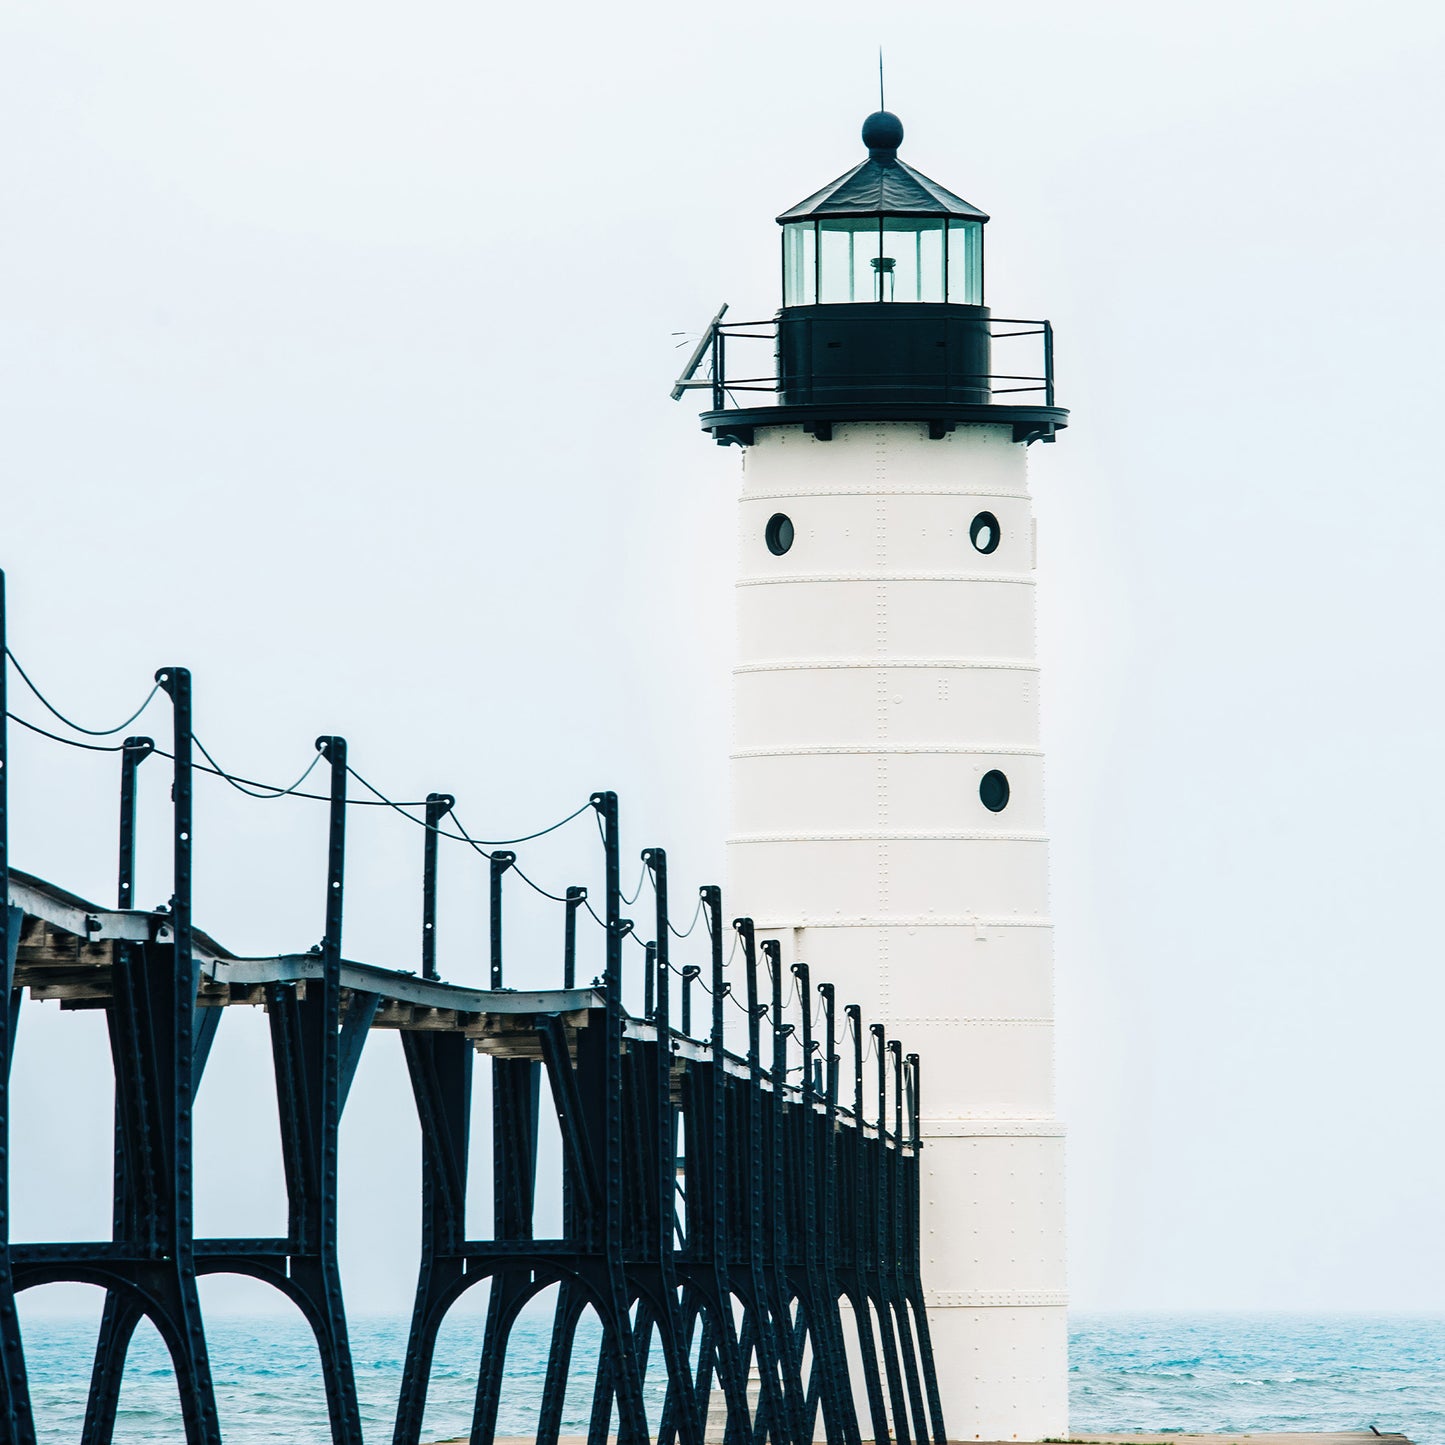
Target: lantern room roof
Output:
[(882, 185)]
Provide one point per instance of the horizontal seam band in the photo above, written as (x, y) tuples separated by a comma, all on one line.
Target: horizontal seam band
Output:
[(996, 1299), (941, 835), (903, 920), (876, 491), (986, 664), (1017, 578), (892, 749)]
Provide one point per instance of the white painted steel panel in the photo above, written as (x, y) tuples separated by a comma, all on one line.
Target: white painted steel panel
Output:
[(1005, 1370), (1000, 1068), (830, 616), (998, 971), (1005, 1229), (802, 878), (885, 457), (898, 791), (800, 704)]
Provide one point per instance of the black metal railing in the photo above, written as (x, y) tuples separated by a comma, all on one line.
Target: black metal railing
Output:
[(722, 343), (799, 1190)]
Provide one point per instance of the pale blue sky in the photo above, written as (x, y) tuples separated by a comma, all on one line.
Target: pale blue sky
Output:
[(335, 345)]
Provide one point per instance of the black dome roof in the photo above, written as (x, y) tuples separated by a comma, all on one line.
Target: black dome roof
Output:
[(883, 185)]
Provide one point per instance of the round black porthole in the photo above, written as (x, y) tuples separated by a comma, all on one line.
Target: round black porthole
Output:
[(983, 532), (779, 534), (993, 791)]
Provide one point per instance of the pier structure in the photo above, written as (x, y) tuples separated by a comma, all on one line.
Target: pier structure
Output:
[(722, 1207)]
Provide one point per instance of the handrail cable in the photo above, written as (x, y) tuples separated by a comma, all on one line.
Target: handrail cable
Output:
[(273, 790), (56, 712), (696, 914), (240, 783), (69, 742)]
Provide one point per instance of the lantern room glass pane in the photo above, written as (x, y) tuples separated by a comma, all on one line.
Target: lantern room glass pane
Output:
[(914, 244), (848, 245), (800, 264), (965, 262)]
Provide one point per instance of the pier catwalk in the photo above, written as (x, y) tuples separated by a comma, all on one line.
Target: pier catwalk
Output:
[(730, 1215)]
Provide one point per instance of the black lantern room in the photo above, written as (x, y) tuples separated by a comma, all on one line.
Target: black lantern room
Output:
[(882, 232), (883, 316), (883, 287)]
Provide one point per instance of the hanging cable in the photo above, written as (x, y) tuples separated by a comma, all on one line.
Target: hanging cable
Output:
[(697, 912), (508, 842), (240, 784), (637, 892), (56, 712), (535, 887), (69, 742)]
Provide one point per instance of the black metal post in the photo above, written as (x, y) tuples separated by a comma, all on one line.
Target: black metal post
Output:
[(498, 865), (133, 753), (576, 897), (689, 977), (438, 805)]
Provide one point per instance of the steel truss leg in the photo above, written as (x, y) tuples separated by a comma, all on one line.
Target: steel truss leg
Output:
[(910, 1366), (930, 1373), (721, 1351), (440, 1068), (891, 1367), (570, 1304), (117, 1325), (16, 1421), (511, 1289), (600, 1424), (179, 1322), (620, 1359), (755, 1341), (435, 1290), (868, 1351)]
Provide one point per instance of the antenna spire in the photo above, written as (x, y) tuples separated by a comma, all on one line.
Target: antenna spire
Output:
[(881, 106)]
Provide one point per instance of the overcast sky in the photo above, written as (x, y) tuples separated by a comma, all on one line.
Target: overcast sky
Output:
[(335, 347)]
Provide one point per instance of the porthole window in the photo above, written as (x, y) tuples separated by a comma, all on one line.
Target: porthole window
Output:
[(993, 791), (779, 533), (984, 533)]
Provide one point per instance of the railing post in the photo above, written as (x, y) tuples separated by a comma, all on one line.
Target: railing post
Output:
[(1049, 363), (498, 864), (718, 361), (438, 805), (576, 897), (744, 927), (881, 1048), (132, 754), (689, 977), (915, 1105)]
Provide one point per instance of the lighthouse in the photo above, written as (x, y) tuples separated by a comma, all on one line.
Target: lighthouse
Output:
[(887, 779)]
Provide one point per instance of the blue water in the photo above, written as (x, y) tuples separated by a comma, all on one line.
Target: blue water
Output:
[(1219, 1374), (1127, 1373)]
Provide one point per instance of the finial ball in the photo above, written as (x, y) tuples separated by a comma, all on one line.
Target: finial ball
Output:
[(882, 131)]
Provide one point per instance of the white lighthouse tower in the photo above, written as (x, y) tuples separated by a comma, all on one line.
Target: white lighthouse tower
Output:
[(887, 780)]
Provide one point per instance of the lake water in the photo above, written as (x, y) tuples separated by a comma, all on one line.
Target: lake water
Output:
[(1127, 1373)]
